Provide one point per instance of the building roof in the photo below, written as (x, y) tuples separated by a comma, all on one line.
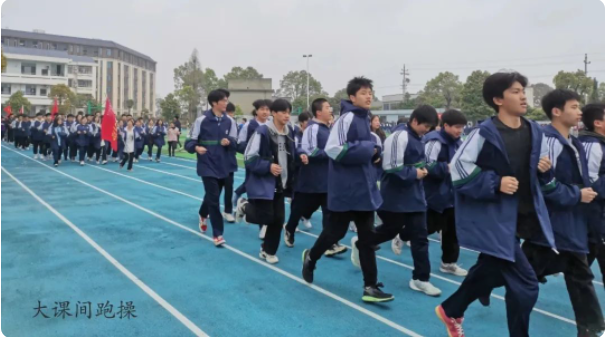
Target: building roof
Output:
[(71, 40), (46, 53)]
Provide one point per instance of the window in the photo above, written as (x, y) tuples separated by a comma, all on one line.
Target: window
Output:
[(6, 89), (77, 50), (85, 83), (28, 68), (59, 72), (53, 46), (85, 70), (30, 90), (108, 52), (43, 91), (70, 83), (35, 44), (21, 43), (45, 71)]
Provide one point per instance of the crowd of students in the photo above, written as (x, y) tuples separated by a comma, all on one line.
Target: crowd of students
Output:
[(77, 138)]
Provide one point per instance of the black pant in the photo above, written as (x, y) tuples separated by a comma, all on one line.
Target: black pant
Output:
[(82, 152), (337, 228), (305, 204), (150, 146), (73, 149), (413, 227), (90, 151), (491, 272), (37, 145), (57, 154), (129, 157), (597, 252), (228, 191), (158, 151), (46, 150), (172, 146), (210, 203), (578, 278), (445, 223), (270, 213), (65, 149)]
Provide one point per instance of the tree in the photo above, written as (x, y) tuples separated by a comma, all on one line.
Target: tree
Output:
[(144, 112), (472, 103), (66, 98), (16, 101), (539, 91), (3, 61), (129, 104), (536, 114), (577, 82), (238, 112), (602, 92), (186, 95), (244, 74), (170, 107), (442, 91), (190, 74), (294, 85)]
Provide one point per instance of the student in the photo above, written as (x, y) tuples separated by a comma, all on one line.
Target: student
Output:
[(210, 138), (311, 182), (351, 176), (498, 199), (69, 150), (269, 157), (298, 131), (37, 136), (440, 147), (82, 139), (232, 166), (261, 114), (177, 124), (11, 128), (128, 137), (46, 140), (158, 133), (26, 132), (18, 133), (593, 139), (149, 139), (404, 203), (58, 133), (139, 141), (567, 197), (376, 128), (172, 136)]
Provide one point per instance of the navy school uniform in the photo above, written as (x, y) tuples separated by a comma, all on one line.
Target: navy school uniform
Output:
[(95, 136), (244, 136), (158, 133), (82, 140), (58, 140), (140, 140)]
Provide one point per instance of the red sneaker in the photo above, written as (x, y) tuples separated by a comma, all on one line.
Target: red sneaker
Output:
[(202, 224), (219, 240), (454, 325)]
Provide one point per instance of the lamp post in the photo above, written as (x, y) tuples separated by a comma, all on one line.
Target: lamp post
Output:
[(307, 57)]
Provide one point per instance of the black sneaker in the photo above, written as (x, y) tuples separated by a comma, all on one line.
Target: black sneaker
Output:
[(374, 294), (289, 239), (307, 271)]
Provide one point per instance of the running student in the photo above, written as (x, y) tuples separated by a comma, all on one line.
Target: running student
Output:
[(311, 182), (149, 140), (158, 133), (139, 141), (351, 177), (82, 139), (211, 137), (402, 189), (38, 136), (440, 148), (58, 133), (593, 139), (232, 166), (129, 136), (269, 157), (567, 197), (69, 152), (298, 131), (498, 200), (172, 137)]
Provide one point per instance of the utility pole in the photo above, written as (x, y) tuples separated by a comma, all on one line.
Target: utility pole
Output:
[(586, 63), (307, 57), (405, 74)]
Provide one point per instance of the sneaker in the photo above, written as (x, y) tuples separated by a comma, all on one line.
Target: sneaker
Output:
[(306, 223), (453, 325), (218, 241), (352, 227), (82, 163), (150, 158), (56, 165), (115, 160), (452, 268), (271, 259), (374, 294), (307, 271), (397, 245), (262, 232), (240, 206), (104, 162), (97, 162), (425, 287), (336, 249), (135, 160), (235, 199), (59, 161), (158, 160), (229, 217), (121, 166), (35, 156), (289, 238), (354, 257), (202, 224)]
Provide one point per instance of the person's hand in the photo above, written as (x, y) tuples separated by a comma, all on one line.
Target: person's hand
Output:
[(201, 150), (225, 142), (509, 185), (275, 169), (304, 159), (79, 132), (588, 194), (421, 173), (377, 161), (544, 165)]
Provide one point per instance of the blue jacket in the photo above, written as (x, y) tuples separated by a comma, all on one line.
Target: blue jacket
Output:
[(149, 140), (400, 189), (260, 154), (158, 133), (25, 128), (37, 134), (486, 219), (246, 133), (208, 131), (139, 137), (95, 135), (594, 146), (352, 177), (232, 163), (563, 197), (44, 128), (58, 136), (440, 148), (70, 135), (82, 138), (312, 178)]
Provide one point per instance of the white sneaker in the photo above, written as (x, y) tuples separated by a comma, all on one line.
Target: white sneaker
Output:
[(306, 223), (354, 255), (135, 160), (240, 204), (424, 287), (229, 217), (202, 224), (150, 158), (82, 163), (452, 268), (397, 245), (336, 249), (97, 162), (35, 156), (271, 259), (262, 232), (352, 227)]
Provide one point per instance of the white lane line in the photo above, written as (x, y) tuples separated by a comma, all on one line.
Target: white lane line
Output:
[(243, 254), (166, 305)]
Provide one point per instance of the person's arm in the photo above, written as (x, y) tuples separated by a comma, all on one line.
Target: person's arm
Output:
[(558, 193), (595, 157), (394, 156), (437, 170), (192, 142), (253, 161), (243, 136), (309, 144), (347, 152)]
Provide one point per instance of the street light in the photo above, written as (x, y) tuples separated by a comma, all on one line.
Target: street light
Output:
[(307, 57)]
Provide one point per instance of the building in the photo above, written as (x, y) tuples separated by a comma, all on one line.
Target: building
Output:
[(123, 73), (530, 93), (392, 116), (35, 71), (244, 92), (392, 102)]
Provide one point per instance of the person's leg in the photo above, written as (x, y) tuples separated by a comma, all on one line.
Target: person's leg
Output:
[(56, 155), (449, 242), (212, 190), (597, 252), (297, 206), (131, 157), (124, 160), (203, 210), (273, 231), (150, 150), (158, 152), (89, 151), (81, 153), (366, 247), (36, 145), (228, 191), (415, 227), (334, 231), (65, 149)]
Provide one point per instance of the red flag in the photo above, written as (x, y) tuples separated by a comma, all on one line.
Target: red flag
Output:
[(55, 109), (8, 111), (108, 125)]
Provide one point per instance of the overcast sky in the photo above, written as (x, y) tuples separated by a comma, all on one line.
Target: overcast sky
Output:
[(346, 37)]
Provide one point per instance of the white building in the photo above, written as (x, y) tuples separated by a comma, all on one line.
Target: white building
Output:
[(35, 71)]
